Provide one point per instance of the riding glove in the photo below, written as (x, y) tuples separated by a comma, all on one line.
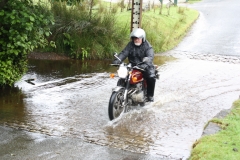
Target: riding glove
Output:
[(143, 66)]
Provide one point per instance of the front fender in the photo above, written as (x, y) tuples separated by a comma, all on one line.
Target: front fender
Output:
[(117, 88)]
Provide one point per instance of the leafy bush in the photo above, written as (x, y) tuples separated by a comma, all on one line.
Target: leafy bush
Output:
[(23, 27)]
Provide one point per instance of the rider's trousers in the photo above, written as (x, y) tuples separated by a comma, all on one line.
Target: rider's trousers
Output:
[(151, 86)]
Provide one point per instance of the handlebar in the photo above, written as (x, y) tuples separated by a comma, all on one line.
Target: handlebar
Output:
[(115, 64), (115, 55), (136, 67)]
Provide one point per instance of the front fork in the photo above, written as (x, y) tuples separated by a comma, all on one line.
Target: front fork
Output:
[(125, 102)]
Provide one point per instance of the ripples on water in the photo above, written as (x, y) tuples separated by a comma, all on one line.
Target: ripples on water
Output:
[(70, 98)]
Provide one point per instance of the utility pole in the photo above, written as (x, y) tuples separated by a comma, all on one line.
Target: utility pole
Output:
[(136, 19)]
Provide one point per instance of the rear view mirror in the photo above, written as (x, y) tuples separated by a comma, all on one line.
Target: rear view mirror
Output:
[(116, 56)]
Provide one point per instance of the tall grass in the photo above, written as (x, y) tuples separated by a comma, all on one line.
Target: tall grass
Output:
[(84, 33), (165, 31), (81, 34)]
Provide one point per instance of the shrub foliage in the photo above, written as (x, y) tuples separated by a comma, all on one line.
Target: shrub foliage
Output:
[(23, 27), (84, 34), (82, 30)]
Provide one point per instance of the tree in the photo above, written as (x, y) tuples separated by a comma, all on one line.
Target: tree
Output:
[(23, 27), (161, 6)]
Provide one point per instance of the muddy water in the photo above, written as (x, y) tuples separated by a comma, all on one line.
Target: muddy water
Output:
[(190, 93), (70, 99)]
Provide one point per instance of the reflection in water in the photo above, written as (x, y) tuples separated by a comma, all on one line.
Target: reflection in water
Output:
[(49, 74), (69, 98), (55, 73), (67, 68), (50, 70), (11, 105)]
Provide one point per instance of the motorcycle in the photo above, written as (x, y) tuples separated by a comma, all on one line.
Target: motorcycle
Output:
[(131, 89)]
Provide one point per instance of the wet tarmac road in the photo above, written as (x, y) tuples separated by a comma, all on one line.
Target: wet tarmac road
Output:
[(191, 91), (216, 31)]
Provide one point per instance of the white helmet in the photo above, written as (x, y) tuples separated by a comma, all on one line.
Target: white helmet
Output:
[(139, 33)]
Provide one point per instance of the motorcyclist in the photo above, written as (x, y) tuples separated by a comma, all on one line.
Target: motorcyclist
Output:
[(136, 50)]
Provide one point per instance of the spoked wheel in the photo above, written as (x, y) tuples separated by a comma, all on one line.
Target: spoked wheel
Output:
[(115, 107)]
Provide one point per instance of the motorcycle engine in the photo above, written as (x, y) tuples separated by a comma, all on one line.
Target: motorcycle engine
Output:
[(139, 95)]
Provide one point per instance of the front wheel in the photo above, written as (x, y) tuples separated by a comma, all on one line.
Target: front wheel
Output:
[(115, 106)]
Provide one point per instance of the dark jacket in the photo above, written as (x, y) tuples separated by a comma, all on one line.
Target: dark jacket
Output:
[(135, 55)]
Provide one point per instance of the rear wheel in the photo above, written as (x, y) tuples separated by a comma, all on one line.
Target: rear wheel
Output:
[(115, 107)]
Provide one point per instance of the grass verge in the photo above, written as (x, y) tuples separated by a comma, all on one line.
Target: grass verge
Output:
[(225, 145), (81, 35), (164, 30)]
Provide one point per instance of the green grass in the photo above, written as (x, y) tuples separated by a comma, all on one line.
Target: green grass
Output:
[(170, 28), (107, 30), (194, 0), (164, 31), (225, 145)]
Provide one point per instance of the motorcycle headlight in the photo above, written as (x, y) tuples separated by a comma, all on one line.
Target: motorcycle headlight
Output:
[(122, 72)]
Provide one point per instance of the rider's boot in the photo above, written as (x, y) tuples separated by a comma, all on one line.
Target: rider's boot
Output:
[(150, 89)]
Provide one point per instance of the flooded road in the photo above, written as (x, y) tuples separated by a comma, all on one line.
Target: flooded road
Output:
[(69, 99), (188, 94)]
